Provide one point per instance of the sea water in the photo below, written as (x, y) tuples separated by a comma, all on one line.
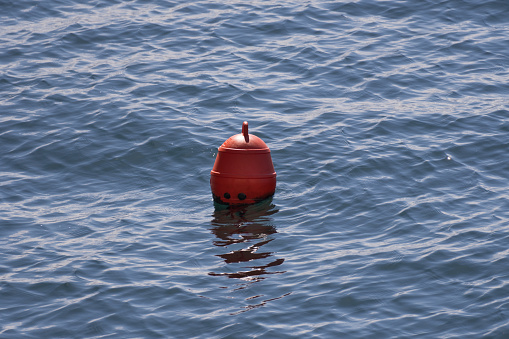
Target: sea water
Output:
[(388, 123)]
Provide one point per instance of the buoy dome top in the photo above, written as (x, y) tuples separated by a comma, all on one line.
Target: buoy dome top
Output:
[(244, 141)]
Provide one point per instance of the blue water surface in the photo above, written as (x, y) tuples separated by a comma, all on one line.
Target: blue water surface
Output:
[(388, 123)]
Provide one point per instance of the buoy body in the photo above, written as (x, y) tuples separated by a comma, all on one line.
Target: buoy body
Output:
[(243, 172)]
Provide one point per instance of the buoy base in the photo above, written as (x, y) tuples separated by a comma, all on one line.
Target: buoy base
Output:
[(241, 191)]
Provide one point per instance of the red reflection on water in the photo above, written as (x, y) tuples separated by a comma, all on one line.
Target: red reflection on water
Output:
[(249, 225)]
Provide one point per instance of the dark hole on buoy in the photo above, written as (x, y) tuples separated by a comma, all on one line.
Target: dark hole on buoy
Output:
[(241, 196), (226, 195)]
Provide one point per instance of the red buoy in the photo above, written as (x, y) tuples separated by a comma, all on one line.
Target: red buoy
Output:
[(243, 172)]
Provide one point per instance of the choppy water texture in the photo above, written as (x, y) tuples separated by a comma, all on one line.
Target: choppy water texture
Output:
[(388, 123)]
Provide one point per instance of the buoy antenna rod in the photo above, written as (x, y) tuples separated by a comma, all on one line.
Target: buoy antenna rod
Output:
[(245, 131)]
